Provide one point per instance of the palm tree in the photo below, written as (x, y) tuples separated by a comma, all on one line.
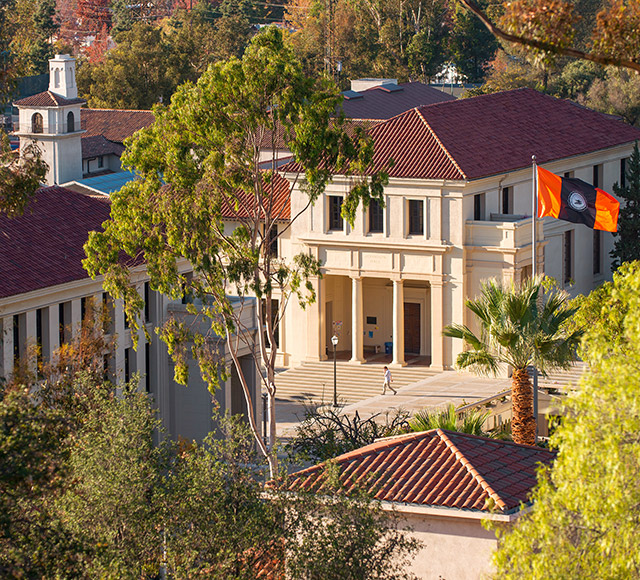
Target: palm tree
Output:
[(470, 422), (520, 325)]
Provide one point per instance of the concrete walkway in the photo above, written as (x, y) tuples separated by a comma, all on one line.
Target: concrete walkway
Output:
[(433, 392)]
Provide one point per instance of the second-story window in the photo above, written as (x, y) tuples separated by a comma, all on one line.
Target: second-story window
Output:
[(416, 217), (597, 176), (376, 216), (623, 172), (568, 257), (478, 207), (335, 217), (507, 200)]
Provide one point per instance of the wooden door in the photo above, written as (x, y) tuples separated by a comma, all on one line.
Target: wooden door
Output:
[(412, 328)]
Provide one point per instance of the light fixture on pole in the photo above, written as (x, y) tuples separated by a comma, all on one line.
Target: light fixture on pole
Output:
[(334, 342)]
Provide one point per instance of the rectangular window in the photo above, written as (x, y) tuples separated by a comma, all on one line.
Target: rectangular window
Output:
[(568, 256), (62, 321), (39, 334), (127, 365), (597, 176), (100, 161), (478, 207), (16, 336), (416, 217), (597, 251), (568, 174), (623, 172), (147, 366), (275, 306), (376, 216), (273, 241), (507, 200), (335, 217), (147, 302)]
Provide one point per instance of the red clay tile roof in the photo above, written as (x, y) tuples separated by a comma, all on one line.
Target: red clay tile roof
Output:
[(44, 247), (114, 124), (380, 103), (47, 99), (438, 468), (281, 209), (100, 145), (492, 134)]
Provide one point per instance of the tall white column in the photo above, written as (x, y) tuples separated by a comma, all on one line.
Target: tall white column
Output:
[(7, 346), (437, 325), (357, 351), (398, 323)]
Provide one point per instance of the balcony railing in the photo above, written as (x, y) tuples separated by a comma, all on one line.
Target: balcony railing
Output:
[(502, 231)]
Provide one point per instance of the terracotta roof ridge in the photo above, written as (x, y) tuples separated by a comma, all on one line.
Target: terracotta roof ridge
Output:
[(471, 469), (437, 139), (121, 110)]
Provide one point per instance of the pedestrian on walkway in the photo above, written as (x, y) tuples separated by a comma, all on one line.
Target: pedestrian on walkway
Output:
[(387, 382)]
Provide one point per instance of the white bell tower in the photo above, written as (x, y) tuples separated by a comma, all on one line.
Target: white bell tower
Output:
[(62, 76), (52, 119)]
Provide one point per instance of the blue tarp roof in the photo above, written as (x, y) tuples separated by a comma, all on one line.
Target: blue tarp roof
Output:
[(108, 183)]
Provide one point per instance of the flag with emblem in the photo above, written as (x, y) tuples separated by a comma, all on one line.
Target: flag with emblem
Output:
[(577, 201)]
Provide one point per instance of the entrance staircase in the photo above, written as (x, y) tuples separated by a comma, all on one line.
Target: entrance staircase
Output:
[(313, 381)]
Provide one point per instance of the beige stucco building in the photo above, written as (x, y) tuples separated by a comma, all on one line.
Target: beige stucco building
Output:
[(457, 210)]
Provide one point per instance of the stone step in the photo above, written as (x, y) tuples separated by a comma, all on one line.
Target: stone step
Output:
[(353, 382)]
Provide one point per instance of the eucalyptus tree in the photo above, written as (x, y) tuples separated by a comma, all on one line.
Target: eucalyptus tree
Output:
[(520, 325), (201, 167)]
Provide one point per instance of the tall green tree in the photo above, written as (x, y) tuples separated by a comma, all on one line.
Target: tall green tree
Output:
[(520, 325), (584, 522), (627, 243), (20, 175), (199, 165)]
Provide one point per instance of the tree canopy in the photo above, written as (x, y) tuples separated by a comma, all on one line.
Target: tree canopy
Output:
[(205, 195), (627, 241), (520, 325), (584, 519)]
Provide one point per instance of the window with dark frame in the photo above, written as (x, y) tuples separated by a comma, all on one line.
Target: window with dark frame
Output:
[(478, 207), (275, 310), (37, 125), (39, 334), (507, 200), (597, 176), (623, 172), (568, 256), (147, 366), (597, 251), (335, 217), (127, 365), (71, 124), (147, 302), (376, 216), (273, 241), (416, 217)]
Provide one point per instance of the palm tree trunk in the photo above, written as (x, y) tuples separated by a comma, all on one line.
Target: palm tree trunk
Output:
[(523, 423)]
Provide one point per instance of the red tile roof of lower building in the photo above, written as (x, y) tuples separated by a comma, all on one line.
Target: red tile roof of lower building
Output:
[(437, 468), (98, 145), (114, 124), (44, 247)]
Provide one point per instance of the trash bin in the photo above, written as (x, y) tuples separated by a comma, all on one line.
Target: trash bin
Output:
[(388, 348)]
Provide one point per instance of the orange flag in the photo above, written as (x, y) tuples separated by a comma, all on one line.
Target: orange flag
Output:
[(576, 201)]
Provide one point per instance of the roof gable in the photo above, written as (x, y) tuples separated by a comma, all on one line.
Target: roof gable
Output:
[(47, 99), (438, 468), (492, 134)]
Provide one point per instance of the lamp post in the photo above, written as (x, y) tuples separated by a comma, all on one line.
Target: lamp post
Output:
[(334, 342)]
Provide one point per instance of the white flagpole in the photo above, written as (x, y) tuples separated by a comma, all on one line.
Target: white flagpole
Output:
[(534, 214), (534, 256)]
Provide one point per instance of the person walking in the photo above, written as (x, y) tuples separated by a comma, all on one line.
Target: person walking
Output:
[(387, 382)]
